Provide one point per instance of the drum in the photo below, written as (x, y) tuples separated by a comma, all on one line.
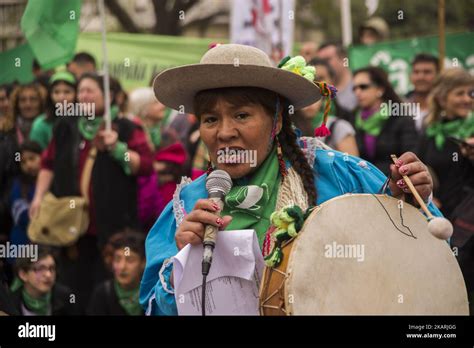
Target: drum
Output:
[(364, 254)]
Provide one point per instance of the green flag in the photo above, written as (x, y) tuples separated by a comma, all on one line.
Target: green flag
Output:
[(16, 65), (51, 28)]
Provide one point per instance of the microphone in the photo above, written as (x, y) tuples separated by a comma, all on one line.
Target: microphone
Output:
[(218, 184)]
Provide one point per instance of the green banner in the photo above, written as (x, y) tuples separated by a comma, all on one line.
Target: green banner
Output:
[(395, 57), (136, 58), (133, 58)]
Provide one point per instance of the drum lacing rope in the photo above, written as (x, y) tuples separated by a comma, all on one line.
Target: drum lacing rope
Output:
[(274, 293)]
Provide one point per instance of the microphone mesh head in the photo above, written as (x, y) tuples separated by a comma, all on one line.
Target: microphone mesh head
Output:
[(219, 181)]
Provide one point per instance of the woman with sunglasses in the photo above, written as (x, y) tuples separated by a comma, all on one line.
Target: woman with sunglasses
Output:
[(379, 131)]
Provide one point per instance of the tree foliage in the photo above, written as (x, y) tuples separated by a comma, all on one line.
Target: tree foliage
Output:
[(406, 18)]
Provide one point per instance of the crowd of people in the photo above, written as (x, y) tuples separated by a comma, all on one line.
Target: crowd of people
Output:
[(139, 162)]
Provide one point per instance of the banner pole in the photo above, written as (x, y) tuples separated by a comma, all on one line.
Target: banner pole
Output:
[(442, 33), (346, 22), (108, 125)]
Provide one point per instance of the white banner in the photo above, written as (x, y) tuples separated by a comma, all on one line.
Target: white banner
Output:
[(266, 24)]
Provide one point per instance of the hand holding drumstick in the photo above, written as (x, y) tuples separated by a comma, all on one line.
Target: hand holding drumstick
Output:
[(439, 227)]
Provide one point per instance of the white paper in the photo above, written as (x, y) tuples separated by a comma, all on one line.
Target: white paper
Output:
[(232, 283)]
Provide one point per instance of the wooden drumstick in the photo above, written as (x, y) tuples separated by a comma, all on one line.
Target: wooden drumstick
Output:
[(439, 227), (414, 191)]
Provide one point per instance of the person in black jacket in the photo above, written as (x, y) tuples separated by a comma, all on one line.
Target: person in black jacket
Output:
[(383, 125), (123, 155), (7, 306), (37, 292), (9, 167), (447, 147), (120, 295), (448, 131)]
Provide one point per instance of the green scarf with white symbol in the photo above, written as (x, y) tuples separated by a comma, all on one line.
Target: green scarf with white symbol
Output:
[(252, 199)]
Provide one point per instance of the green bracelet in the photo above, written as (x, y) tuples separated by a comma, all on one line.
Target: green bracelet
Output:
[(119, 153)]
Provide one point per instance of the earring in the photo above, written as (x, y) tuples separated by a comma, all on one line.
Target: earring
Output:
[(281, 161), (442, 113)]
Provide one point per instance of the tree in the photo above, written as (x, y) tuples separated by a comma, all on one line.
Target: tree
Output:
[(406, 18), (169, 16), (122, 16)]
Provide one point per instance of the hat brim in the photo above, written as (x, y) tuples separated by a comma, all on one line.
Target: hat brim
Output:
[(177, 87)]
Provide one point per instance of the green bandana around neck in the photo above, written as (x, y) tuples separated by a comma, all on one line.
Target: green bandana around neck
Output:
[(40, 305), (129, 299), (89, 128), (251, 204), (155, 131), (372, 125), (155, 134), (459, 128)]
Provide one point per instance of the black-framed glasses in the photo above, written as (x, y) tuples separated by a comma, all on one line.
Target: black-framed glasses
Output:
[(362, 86)]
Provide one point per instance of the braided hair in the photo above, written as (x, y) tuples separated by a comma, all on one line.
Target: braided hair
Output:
[(292, 151), (206, 100)]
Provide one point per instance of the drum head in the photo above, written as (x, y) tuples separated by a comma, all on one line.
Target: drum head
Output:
[(354, 256)]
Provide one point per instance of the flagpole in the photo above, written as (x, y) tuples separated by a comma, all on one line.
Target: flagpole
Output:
[(346, 22), (108, 125), (280, 32), (441, 30)]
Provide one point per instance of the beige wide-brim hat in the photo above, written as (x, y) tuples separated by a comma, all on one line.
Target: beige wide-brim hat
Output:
[(231, 65)]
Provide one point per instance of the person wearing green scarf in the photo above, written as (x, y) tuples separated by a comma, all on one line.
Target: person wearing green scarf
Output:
[(35, 290), (373, 124), (35, 285), (154, 115), (128, 298), (444, 145), (89, 129), (256, 183), (90, 92), (252, 199), (459, 128), (120, 296), (154, 124), (61, 90), (245, 121), (448, 147), (383, 125)]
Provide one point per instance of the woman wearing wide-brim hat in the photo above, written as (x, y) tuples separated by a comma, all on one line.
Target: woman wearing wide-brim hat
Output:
[(245, 104)]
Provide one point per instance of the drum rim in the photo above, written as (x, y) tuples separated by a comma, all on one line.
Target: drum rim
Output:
[(266, 269)]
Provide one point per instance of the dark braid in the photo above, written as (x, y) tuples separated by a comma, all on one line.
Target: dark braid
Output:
[(295, 155)]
